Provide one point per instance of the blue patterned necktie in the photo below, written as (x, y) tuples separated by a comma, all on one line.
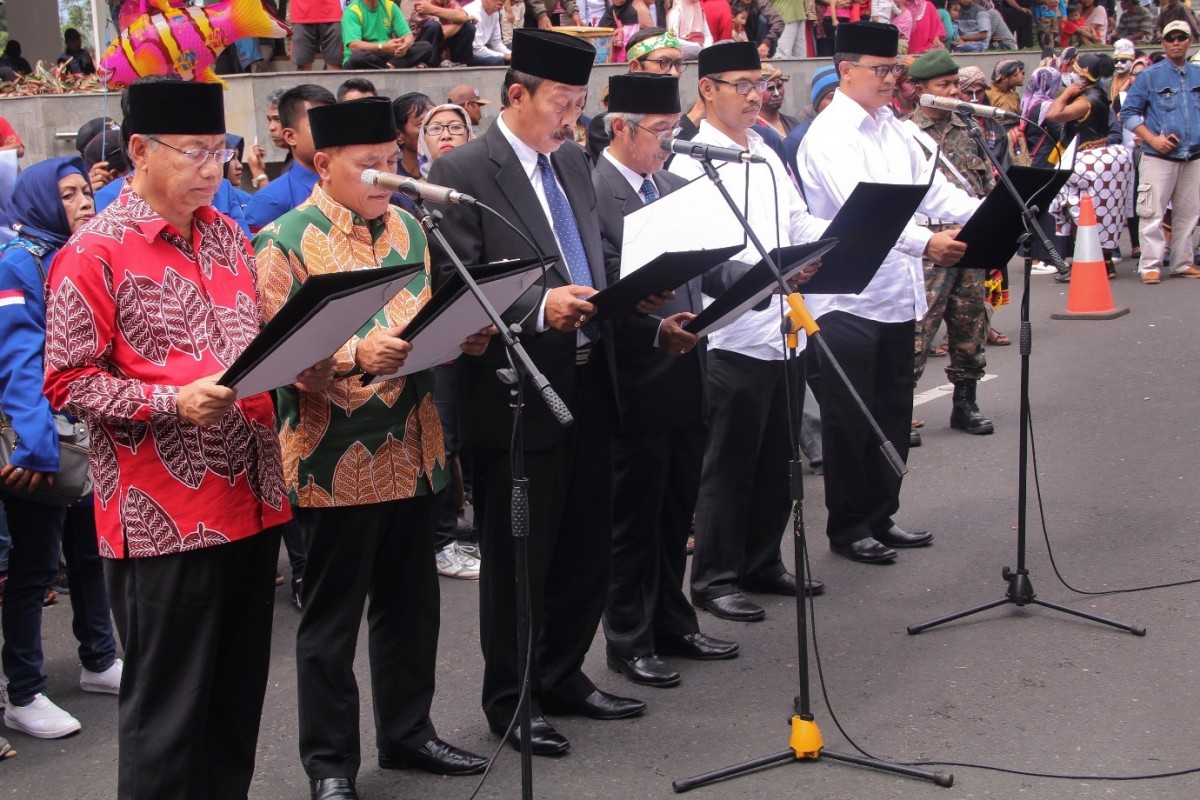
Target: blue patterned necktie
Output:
[(565, 226), (648, 191)]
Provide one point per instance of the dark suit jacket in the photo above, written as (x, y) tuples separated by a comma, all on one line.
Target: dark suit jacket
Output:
[(488, 169), (657, 390)]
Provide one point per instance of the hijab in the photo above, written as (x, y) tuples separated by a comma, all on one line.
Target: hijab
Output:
[(1043, 85), (36, 208), (426, 157)]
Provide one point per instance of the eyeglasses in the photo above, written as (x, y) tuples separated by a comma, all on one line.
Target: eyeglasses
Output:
[(436, 128), (198, 157), (742, 87), (666, 64), (775, 88), (662, 136), (1176, 38), (882, 70)]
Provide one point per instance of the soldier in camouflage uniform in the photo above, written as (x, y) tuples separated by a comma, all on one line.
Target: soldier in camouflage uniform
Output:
[(956, 296)]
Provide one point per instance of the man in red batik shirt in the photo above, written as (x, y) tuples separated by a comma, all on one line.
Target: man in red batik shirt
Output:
[(148, 303)]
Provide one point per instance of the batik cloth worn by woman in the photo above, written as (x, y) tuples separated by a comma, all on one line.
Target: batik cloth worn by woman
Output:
[(50, 201)]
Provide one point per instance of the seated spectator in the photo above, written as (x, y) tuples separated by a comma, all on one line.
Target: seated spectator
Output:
[(741, 13), (1175, 11), (356, 89), (1095, 17), (627, 17), (488, 49), (688, 20), (52, 200), (13, 60), (1002, 35), (376, 36), (974, 27), (316, 25), (75, 55), (928, 31), (294, 186), (1135, 23), (447, 28), (467, 96), (9, 139), (1070, 30)]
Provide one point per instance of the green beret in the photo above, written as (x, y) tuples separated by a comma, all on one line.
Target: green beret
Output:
[(933, 64)]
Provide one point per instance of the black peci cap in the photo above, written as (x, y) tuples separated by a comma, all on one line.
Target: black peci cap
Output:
[(367, 120)]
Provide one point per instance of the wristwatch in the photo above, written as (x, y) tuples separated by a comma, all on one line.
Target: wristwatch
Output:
[(258, 179)]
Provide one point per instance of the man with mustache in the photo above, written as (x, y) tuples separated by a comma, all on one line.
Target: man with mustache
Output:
[(526, 168), (744, 500)]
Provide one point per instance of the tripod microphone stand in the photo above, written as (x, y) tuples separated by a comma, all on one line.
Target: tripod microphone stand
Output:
[(1020, 588), (522, 368), (805, 742)]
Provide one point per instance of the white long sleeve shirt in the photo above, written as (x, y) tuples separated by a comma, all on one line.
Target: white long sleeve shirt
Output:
[(488, 41), (754, 187), (846, 146)]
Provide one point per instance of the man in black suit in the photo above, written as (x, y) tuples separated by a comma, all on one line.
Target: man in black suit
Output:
[(527, 168), (659, 443)]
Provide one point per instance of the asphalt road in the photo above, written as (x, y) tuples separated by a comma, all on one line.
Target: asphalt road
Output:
[(1116, 424)]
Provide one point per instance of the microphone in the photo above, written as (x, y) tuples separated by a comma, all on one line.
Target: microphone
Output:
[(708, 152), (960, 107), (417, 190)]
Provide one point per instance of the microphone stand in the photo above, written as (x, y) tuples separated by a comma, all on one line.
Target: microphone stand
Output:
[(805, 742), (522, 368), (1020, 589)]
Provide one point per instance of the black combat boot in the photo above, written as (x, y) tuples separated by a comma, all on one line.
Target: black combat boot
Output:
[(965, 415)]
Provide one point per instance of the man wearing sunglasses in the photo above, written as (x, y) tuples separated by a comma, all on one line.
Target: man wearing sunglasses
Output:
[(858, 139), (744, 501), (1163, 109)]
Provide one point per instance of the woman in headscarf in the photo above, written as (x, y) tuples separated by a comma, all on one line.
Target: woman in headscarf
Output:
[(443, 128), (687, 19), (1044, 140), (51, 200), (233, 170), (1102, 170)]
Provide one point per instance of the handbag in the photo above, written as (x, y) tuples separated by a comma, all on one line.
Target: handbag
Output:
[(73, 481)]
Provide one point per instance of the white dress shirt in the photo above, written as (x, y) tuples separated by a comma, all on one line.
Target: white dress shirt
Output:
[(488, 41), (846, 146), (529, 158), (756, 333)]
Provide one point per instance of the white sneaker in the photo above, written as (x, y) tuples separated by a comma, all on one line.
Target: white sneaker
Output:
[(106, 682), (1042, 268), (460, 561), (40, 719)]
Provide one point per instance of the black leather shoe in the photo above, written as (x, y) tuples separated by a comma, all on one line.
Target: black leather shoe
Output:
[(785, 585), (543, 739), (732, 606), (867, 551), (698, 647), (914, 438), (436, 757), (896, 536), (647, 670), (297, 583), (333, 789), (597, 705)]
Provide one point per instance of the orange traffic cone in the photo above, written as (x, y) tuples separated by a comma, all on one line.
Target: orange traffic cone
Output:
[(1090, 296)]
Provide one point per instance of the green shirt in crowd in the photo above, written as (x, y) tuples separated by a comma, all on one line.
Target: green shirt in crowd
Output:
[(361, 23)]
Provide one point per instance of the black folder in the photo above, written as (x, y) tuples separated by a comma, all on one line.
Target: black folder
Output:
[(757, 285), (866, 227), (664, 274), (992, 232), (321, 317), (453, 313)]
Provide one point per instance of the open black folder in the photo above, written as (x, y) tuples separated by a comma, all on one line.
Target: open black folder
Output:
[(992, 232), (866, 227), (664, 274), (757, 285), (452, 313), (321, 317)]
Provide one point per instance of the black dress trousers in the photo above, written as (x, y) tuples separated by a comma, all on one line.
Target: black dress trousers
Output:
[(196, 629), (380, 555), (861, 490)]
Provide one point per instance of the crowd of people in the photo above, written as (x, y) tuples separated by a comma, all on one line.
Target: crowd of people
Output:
[(141, 269)]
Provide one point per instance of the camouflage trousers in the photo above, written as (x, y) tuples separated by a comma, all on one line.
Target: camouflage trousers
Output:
[(958, 297)]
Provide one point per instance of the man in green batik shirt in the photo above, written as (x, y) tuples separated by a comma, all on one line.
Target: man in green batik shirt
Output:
[(363, 465), (954, 295)]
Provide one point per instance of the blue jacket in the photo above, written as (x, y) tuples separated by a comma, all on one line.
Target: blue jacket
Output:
[(1167, 100), (226, 200), (280, 196)]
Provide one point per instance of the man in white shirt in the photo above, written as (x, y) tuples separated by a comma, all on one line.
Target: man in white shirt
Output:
[(745, 501), (857, 138), (489, 49)]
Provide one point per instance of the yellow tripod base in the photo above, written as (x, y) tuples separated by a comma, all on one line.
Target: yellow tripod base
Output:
[(806, 741)]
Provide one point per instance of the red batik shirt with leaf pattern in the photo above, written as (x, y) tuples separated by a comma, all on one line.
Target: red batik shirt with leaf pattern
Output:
[(136, 310)]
